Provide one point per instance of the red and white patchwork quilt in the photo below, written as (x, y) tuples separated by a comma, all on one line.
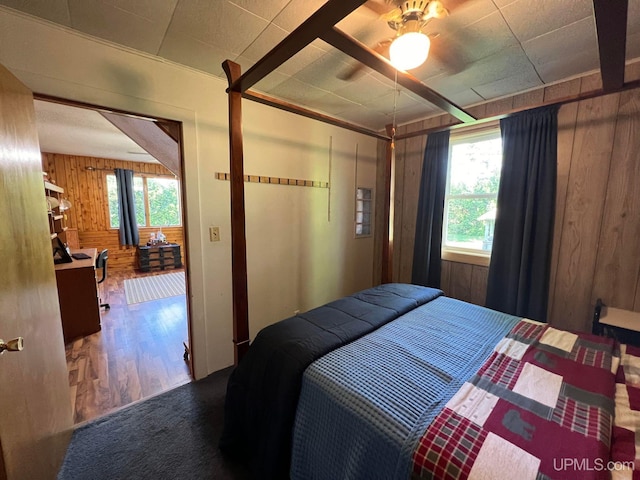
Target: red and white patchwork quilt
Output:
[(625, 449), (541, 407)]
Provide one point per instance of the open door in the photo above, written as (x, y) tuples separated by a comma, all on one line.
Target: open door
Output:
[(35, 416)]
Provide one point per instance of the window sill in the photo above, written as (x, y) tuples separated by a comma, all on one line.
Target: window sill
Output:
[(466, 257)]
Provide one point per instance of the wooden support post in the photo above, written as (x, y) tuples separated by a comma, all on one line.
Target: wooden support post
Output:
[(238, 232), (387, 241)]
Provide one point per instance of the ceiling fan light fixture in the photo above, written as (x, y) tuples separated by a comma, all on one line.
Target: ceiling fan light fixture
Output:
[(409, 50)]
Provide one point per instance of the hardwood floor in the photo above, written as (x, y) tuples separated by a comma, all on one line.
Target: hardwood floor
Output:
[(137, 354)]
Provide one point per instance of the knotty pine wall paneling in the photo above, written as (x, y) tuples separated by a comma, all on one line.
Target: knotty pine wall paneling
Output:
[(597, 220), (86, 189)]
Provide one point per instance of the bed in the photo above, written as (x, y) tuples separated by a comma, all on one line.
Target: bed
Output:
[(400, 381)]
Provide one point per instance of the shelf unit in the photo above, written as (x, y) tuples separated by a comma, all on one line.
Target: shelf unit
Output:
[(57, 219)]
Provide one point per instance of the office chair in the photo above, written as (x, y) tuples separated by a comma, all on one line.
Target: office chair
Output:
[(101, 262)]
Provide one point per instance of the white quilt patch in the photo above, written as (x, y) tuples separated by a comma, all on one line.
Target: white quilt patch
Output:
[(473, 403), (559, 339), (499, 459), (539, 385), (631, 367), (511, 348)]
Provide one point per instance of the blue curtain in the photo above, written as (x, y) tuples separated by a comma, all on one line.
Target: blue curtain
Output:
[(126, 207), (518, 281), (427, 261)]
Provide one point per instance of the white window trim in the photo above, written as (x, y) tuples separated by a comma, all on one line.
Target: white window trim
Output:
[(458, 254)]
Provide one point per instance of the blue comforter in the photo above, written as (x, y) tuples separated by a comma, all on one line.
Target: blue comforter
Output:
[(263, 391), (364, 406)]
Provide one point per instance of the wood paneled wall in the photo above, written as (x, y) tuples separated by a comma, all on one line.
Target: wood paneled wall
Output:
[(596, 251), (87, 191)]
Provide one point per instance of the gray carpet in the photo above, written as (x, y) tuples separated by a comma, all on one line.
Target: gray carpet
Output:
[(173, 435)]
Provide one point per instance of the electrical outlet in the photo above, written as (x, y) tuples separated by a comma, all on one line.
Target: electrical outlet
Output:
[(214, 234)]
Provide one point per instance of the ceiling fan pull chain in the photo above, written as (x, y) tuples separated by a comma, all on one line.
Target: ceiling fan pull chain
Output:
[(396, 92)]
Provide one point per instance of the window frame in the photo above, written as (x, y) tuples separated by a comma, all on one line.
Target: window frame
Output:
[(474, 256), (370, 202), (147, 208)]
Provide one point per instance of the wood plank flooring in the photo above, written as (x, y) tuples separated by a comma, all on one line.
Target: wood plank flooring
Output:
[(137, 354)]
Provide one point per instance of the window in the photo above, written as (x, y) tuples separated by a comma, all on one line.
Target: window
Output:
[(363, 212), (475, 162), (157, 201)]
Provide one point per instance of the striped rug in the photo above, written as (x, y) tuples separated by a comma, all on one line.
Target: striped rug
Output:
[(144, 289)]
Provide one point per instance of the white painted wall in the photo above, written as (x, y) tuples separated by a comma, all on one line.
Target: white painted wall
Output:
[(301, 247)]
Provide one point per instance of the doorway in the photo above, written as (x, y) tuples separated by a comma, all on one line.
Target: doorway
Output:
[(142, 347)]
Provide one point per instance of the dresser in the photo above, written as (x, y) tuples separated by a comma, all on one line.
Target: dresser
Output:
[(78, 296), (159, 257)]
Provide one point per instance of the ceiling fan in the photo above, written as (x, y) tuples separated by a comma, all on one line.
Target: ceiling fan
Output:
[(410, 46)]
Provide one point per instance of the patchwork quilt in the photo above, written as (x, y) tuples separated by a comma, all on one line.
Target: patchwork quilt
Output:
[(625, 451), (541, 407)]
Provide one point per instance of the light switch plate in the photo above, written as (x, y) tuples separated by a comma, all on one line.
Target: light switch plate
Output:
[(214, 234)]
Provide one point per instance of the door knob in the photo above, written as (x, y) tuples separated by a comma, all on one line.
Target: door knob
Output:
[(15, 345)]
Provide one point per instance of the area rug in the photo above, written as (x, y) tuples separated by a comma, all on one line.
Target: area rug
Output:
[(145, 289), (174, 435)]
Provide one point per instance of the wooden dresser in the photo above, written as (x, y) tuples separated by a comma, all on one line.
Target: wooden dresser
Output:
[(78, 296)]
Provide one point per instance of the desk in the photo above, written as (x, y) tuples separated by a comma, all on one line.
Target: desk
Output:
[(78, 296)]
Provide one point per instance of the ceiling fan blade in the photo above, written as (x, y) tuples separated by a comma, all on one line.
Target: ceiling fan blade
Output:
[(447, 54), (378, 8), (387, 12)]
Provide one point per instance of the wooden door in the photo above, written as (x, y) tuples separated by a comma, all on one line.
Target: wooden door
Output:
[(35, 410)]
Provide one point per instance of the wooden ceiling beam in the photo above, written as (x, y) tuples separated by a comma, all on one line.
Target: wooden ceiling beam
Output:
[(611, 27), (374, 60), (325, 18)]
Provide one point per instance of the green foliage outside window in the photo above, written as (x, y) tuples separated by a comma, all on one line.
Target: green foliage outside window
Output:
[(163, 200), (474, 178)]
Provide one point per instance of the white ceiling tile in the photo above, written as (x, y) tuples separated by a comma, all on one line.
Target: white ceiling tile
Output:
[(269, 82), (195, 54), (159, 11), (496, 67), (364, 89), (366, 117), (296, 12), (474, 42), (269, 38), (461, 14), (565, 52), (267, 10), (299, 92), (53, 10), (324, 72), (141, 27), (416, 112), (549, 15), (506, 86), (227, 25), (463, 98), (395, 101), (330, 104)]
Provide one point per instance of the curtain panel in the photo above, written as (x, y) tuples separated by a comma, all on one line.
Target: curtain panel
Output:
[(518, 280), (427, 261), (126, 207)]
